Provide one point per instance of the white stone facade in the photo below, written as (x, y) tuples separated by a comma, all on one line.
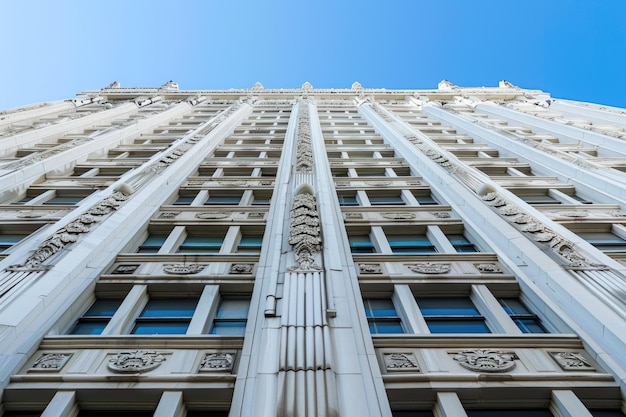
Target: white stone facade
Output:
[(313, 252)]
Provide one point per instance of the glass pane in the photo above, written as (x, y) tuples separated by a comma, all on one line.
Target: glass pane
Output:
[(425, 200), (116, 413), (447, 306), (170, 307), (379, 307), (229, 327), (413, 413), (160, 327), (103, 307), (198, 413), (10, 240), (513, 306), (63, 200), (386, 200), (347, 200), (89, 327), (224, 199), (385, 327), (509, 413), (233, 309), (181, 201), (457, 326), (361, 244), (606, 413), (530, 325)]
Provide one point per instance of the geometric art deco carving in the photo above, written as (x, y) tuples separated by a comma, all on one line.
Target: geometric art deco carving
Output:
[(182, 269), (50, 362), (136, 361), (485, 360), (217, 362), (400, 362), (429, 268), (571, 361)]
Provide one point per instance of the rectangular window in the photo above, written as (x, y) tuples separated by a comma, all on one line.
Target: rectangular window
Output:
[(165, 316), (347, 200), (224, 199), (152, 244), (185, 199), (250, 245), (97, 317), (461, 244), (412, 413), (411, 244), (524, 412), (605, 241), (231, 316), (261, 199), (386, 200), (201, 244), (382, 316), (361, 244), (606, 413), (523, 318), (451, 315), (539, 199)]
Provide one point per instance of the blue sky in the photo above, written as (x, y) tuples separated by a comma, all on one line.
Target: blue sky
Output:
[(570, 48)]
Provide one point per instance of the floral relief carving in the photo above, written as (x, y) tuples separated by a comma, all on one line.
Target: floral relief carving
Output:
[(486, 360), (353, 216), (488, 268), (51, 362), (304, 153), (125, 269), (241, 268), (400, 362), (71, 232), (182, 269), (217, 362), (572, 361), (441, 214), (136, 361), (370, 269), (429, 268), (399, 216), (212, 215), (304, 233), (168, 215)]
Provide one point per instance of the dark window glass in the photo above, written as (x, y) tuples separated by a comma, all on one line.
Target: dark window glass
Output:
[(425, 200), (97, 317), (165, 316), (361, 244), (451, 315), (347, 200), (201, 244), (605, 241), (461, 244), (184, 200), (382, 316), (116, 413), (250, 244), (389, 200), (531, 412), (523, 318), (232, 200), (231, 316), (411, 244), (6, 241), (413, 413), (539, 199), (198, 413), (21, 413), (606, 413), (152, 244), (58, 201)]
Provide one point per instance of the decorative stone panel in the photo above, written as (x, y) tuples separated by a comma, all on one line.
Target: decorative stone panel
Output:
[(400, 362), (136, 361), (217, 362), (50, 362), (370, 269), (485, 360), (572, 361), (241, 268), (429, 268), (182, 269), (125, 269)]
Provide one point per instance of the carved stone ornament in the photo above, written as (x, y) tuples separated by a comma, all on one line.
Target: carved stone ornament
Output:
[(136, 361), (304, 233), (50, 362), (398, 216), (241, 268), (571, 361), (168, 215), (370, 269), (400, 362), (256, 215), (429, 268), (618, 213), (573, 213), (29, 215), (441, 214), (304, 152), (353, 216), (217, 362), (72, 231), (212, 215), (486, 360), (182, 269), (488, 268), (125, 269)]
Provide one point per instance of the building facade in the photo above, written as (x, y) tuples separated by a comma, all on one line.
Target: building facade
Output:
[(313, 252)]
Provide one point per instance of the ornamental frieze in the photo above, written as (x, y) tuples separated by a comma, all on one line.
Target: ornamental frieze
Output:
[(182, 269), (136, 361), (485, 360), (241, 268), (400, 362), (370, 269), (217, 362), (488, 268), (429, 268), (571, 361), (398, 216), (50, 362)]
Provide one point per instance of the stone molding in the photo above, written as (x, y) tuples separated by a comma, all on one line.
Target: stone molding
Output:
[(485, 360), (137, 361)]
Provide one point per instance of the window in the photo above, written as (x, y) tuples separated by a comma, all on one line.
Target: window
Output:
[(184, 199), (539, 199), (116, 413), (21, 413), (523, 318), (223, 199), (201, 244), (261, 199), (212, 413), (97, 317), (231, 316), (412, 413), (382, 316), (606, 413), (361, 244), (152, 244), (165, 316), (60, 200), (461, 244), (529, 412), (410, 244), (386, 200), (6, 241), (605, 241), (451, 315), (250, 245), (347, 200)]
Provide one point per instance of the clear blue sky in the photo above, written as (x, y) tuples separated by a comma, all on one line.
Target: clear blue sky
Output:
[(570, 48)]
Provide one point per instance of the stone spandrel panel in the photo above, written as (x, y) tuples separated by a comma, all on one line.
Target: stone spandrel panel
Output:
[(446, 269), (179, 268)]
